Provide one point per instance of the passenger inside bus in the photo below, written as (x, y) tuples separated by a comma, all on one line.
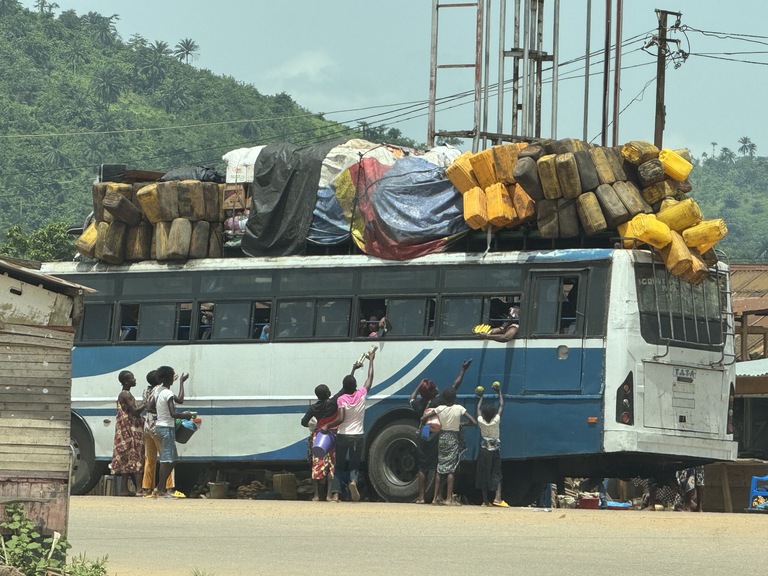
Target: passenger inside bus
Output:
[(568, 306), (376, 326), (508, 329), (206, 321)]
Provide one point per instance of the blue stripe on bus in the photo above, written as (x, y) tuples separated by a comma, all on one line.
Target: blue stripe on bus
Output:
[(97, 360), (400, 373)]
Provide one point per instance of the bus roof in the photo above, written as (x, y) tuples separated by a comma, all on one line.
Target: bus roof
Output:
[(335, 261)]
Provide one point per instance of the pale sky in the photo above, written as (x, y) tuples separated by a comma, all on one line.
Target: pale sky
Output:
[(343, 54)]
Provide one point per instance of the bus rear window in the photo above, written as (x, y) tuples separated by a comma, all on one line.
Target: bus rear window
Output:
[(674, 310)]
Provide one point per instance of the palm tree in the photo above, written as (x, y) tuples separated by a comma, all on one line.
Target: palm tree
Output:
[(54, 155), (160, 47), (137, 41), (152, 66), (727, 155), (747, 148), (744, 148), (175, 97), (186, 49), (77, 54), (107, 85), (102, 27), (94, 148)]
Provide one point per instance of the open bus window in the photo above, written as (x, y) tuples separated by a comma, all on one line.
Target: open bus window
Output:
[(569, 305), (294, 319), (129, 322), (332, 318), (555, 305), (262, 311), (184, 321), (372, 310), (97, 322), (231, 321), (205, 325)]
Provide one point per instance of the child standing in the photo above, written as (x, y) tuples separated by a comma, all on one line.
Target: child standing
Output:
[(488, 474), (449, 442), (323, 411)]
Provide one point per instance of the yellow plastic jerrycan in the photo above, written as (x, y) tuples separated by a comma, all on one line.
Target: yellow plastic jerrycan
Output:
[(675, 166)]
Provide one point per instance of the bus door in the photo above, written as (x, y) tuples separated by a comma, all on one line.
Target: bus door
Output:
[(553, 324)]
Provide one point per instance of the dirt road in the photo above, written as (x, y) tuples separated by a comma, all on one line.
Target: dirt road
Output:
[(145, 537)]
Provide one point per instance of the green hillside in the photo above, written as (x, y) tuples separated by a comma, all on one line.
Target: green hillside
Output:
[(734, 188), (73, 95)]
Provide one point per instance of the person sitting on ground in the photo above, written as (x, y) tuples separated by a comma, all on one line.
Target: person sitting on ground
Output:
[(507, 331)]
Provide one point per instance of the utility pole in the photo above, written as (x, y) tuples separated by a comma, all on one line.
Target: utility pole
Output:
[(661, 66)]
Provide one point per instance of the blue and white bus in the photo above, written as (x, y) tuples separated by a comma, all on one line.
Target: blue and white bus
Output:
[(618, 369)]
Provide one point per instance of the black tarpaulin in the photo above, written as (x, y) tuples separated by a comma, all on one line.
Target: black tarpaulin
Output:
[(285, 182)]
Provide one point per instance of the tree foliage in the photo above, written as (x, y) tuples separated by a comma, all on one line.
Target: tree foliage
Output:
[(74, 94), (733, 188)]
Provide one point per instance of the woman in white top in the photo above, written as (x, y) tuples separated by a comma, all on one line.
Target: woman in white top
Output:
[(488, 473), (449, 444)]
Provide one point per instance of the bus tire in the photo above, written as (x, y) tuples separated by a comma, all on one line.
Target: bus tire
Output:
[(393, 462), (517, 486), (85, 470)]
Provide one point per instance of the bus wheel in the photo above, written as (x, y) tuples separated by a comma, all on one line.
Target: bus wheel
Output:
[(393, 462), (85, 471), (518, 487)]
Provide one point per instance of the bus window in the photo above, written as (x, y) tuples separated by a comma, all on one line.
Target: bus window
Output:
[(555, 305), (459, 315), (205, 325), (168, 321), (129, 322), (261, 315), (332, 320), (231, 321), (294, 319), (97, 322), (408, 316), (372, 310), (184, 321), (569, 305)]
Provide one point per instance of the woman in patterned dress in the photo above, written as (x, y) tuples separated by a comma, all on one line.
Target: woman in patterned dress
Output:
[(128, 453)]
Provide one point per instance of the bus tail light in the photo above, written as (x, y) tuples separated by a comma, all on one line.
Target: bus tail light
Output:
[(729, 424), (625, 402)]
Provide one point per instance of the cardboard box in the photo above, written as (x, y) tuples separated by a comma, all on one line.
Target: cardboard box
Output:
[(235, 197)]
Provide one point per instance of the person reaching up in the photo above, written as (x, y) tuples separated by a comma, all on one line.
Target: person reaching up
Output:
[(488, 472)]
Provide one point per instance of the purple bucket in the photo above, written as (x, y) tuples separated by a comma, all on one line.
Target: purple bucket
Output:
[(324, 441)]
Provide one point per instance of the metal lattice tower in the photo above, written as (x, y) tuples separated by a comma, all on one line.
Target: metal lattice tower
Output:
[(527, 57)]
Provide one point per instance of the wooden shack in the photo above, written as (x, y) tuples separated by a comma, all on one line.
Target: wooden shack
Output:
[(38, 317)]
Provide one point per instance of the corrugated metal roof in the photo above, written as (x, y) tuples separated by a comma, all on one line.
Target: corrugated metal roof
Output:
[(752, 368), (749, 285), (48, 282)]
